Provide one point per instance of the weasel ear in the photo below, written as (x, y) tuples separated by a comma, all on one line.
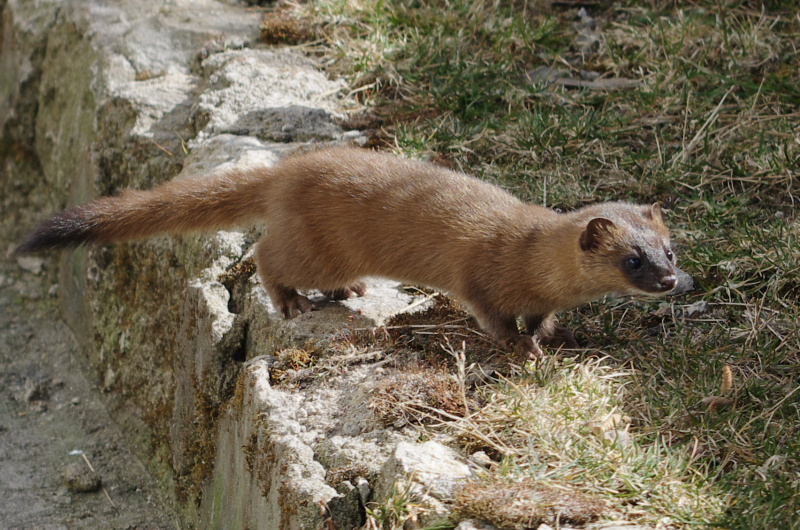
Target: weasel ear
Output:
[(654, 212), (595, 231)]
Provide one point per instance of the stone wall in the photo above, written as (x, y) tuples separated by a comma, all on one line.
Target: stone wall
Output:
[(102, 95)]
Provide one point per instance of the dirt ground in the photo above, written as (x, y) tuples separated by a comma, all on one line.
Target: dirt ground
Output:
[(51, 416)]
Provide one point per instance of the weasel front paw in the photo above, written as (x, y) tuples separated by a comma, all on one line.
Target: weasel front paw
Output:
[(526, 346)]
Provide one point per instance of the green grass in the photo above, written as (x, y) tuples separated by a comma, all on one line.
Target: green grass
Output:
[(711, 133)]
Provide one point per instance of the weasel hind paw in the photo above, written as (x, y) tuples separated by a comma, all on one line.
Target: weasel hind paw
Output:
[(559, 338), (343, 293), (296, 305)]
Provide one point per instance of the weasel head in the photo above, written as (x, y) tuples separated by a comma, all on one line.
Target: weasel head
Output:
[(627, 248)]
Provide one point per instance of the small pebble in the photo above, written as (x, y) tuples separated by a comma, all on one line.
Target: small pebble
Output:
[(80, 479), (482, 459), (31, 391), (31, 264)]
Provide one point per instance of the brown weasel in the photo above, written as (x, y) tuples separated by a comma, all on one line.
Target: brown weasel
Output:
[(335, 216)]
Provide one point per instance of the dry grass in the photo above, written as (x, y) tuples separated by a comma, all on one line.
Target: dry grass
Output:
[(280, 27), (419, 396), (526, 504), (294, 364)]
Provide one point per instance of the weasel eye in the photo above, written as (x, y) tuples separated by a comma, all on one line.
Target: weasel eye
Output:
[(670, 255), (633, 263)]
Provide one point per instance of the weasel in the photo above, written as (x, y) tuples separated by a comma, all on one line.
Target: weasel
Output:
[(337, 215)]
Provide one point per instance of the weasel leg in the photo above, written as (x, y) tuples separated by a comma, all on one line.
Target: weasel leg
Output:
[(505, 331), (549, 334), (289, 301), (343, 293)]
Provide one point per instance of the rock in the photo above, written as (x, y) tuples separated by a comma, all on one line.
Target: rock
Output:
[(78, 478), (685, 284), (427, 474), (346, 509), (437, 468), (364, 491), (694, 310), (290, 102), (480, 458), (685, 311), (32, 391), (472, 524), (31, 264)]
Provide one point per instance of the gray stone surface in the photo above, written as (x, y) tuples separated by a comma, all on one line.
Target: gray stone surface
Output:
[(275, 95), (429, 472), (51, 415)]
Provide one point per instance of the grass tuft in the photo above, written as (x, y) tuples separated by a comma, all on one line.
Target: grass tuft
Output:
[(526, 504)]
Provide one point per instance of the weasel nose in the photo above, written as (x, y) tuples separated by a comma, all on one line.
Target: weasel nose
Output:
[(668, 283)]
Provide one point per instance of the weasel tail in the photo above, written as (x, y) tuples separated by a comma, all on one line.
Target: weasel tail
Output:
[(335, 216), (177, 207)]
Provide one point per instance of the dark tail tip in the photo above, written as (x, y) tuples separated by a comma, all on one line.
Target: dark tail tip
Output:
[(66, 229)]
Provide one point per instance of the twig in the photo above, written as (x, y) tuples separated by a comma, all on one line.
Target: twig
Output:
[(684, 155), (101, 486), (163, 148), (418, 303), (358, 359), (451, 324)]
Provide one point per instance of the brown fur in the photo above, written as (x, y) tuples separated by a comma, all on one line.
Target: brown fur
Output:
[(338, 215)]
